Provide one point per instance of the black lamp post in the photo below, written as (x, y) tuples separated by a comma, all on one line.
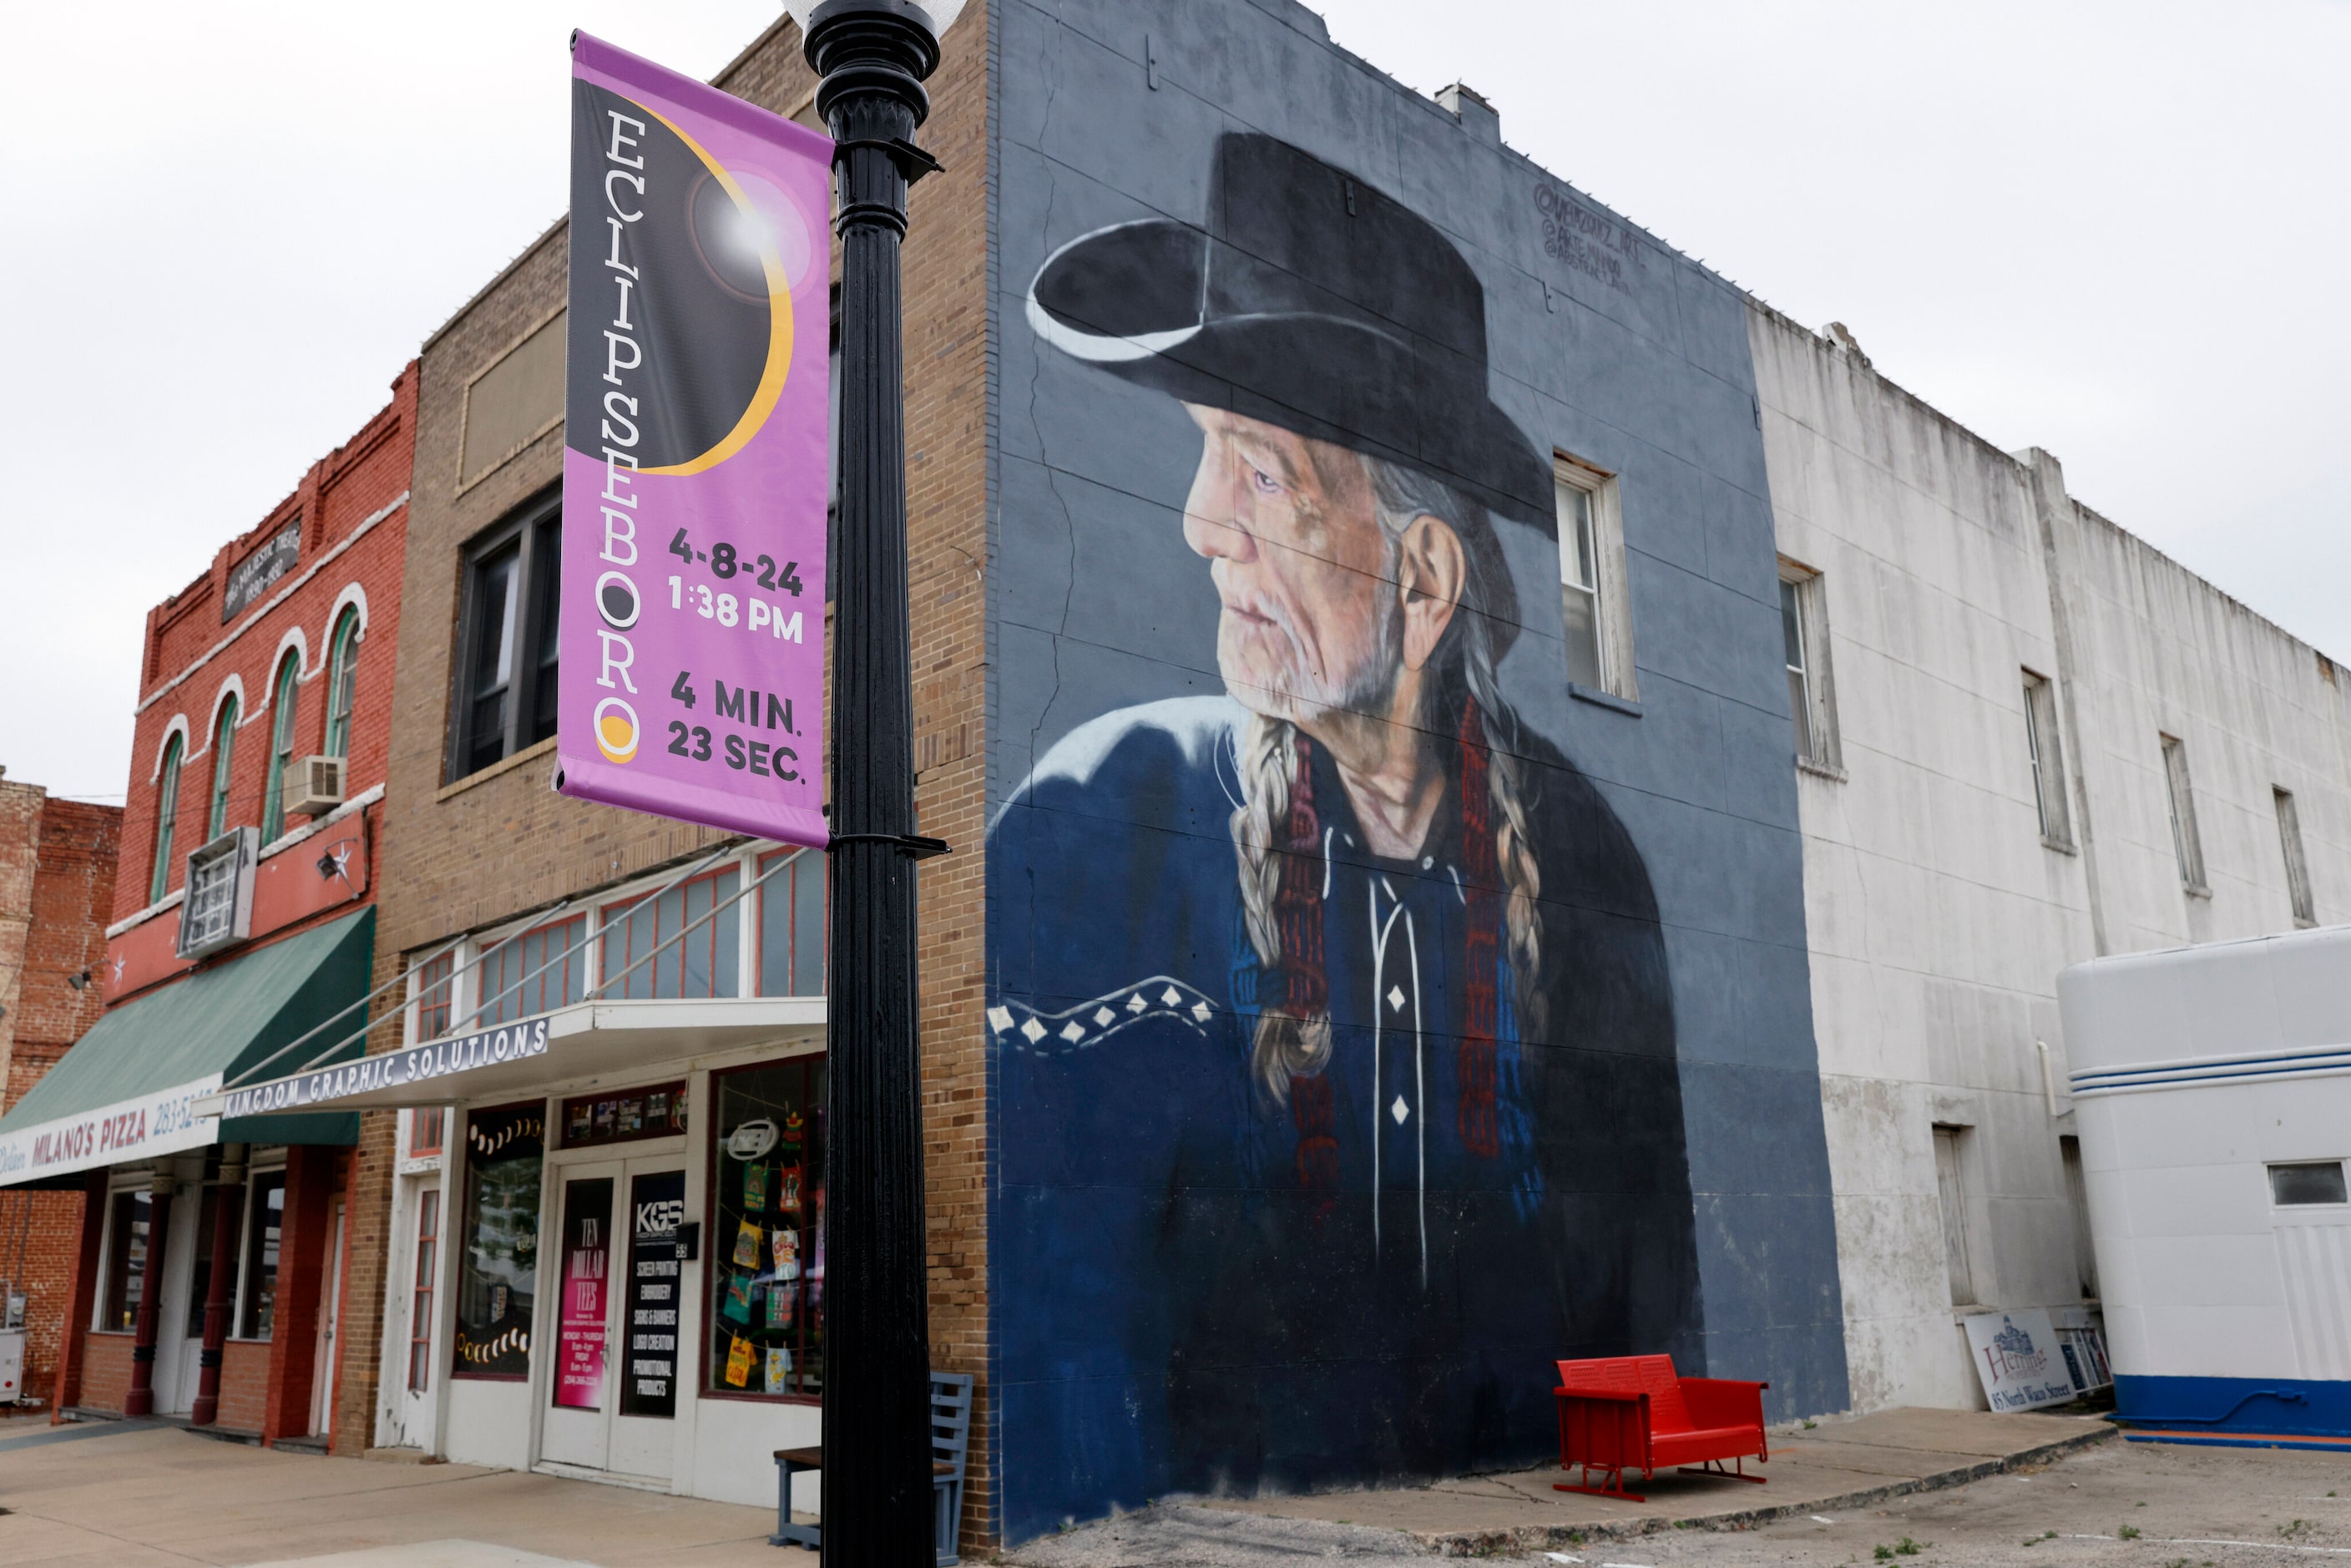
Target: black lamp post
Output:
[(873, 56)]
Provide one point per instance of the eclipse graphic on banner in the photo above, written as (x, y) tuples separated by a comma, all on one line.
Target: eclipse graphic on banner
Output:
[(691, 684)]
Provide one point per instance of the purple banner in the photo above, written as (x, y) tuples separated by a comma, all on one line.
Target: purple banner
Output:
[(692, 680)]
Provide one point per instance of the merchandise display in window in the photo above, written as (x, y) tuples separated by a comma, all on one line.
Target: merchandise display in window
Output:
[(498, 1264), (658, 1111), (766, 1231)]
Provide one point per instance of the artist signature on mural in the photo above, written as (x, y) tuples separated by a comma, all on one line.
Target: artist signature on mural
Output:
[(1597, 246)]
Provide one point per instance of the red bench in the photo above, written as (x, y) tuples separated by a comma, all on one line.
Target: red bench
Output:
[(1635, 1413)]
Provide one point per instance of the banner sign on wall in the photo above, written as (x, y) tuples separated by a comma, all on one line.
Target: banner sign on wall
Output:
[(692, 677), (163, 1121), (2016, 1357)]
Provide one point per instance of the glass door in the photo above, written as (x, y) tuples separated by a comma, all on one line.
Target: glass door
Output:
[(579, 1389), (649, 1319)]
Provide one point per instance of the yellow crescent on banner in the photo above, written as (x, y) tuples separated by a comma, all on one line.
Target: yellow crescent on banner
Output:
[(780, 322)]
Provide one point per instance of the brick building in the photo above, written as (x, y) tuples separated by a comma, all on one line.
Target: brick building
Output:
[(242, 925), (56, 894)]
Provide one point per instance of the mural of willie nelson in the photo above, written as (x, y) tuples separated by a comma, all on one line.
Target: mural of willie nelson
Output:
[(1337, 1087)]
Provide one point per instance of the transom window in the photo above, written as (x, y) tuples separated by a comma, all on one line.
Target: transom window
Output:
[(703, 962), (534, 971)]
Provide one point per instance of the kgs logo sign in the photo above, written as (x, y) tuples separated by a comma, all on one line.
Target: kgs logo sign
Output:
[(660, 1219)]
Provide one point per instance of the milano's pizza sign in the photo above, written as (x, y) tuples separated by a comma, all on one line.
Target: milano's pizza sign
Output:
[(163, 1121)]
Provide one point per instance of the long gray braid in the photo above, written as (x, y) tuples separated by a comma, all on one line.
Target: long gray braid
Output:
[(1287, 1047)]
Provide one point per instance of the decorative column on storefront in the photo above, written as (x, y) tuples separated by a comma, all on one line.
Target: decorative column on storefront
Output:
[(140, 1400), (228, 1203), (872, 57)]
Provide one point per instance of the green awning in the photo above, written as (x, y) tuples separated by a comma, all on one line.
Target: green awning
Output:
[(123, 1091)]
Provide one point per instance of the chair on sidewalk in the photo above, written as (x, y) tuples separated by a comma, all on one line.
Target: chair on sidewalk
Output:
[(1635, 1413), (950, 1440)]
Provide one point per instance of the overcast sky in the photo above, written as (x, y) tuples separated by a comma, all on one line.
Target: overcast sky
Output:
[(2116, 231)]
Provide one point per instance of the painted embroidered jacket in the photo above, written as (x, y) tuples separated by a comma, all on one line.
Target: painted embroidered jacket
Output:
[(1202, 1285)]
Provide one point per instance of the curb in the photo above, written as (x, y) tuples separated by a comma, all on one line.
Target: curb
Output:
[(1533, 1538)]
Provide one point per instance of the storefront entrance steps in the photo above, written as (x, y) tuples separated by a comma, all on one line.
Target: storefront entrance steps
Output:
[(1837, 1465), (224, 1503)]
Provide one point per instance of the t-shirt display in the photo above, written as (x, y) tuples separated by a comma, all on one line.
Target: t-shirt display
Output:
[(767, 1214)]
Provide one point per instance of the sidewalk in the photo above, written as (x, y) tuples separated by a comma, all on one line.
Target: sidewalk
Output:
[(154, 1495), (1843, 1464)]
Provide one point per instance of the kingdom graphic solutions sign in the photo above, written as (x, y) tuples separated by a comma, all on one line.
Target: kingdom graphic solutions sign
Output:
[(692, 678), (2016, 1357), (163, 1121), (509, 1042)]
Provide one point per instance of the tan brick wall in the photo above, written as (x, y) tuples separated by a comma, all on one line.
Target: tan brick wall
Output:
[(463, 858)]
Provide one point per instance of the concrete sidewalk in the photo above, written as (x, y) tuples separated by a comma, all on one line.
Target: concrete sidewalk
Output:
[(1847, 1464), (1839, 1466), (155, 1495)]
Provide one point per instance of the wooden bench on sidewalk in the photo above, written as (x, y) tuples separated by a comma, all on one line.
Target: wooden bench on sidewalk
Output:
[(950, 1440), (1635, 1413)]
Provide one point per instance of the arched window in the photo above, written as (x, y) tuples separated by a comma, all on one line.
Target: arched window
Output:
[(223, 751), (167, 811), (342, 679), (281, 745)]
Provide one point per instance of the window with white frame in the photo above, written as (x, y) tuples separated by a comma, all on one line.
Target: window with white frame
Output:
[(533, 972), (792, 916), (2186, 847), (2047, 753), (2297, 867), (1812, 695), (673, 946), (1591, 598)]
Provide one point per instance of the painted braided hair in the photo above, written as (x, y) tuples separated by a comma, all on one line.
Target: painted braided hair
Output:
[(1276, 825)]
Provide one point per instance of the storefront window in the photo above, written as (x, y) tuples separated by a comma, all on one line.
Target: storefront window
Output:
[(700, 962), (126, 1262), (791, 925), (499, 1265), (766, 1240), (265, 1222), (420, 1300)]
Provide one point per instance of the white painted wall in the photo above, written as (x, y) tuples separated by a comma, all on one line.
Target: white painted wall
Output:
[(1937, 918)]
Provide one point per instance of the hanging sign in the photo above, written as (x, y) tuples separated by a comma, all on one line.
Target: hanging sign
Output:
[(692, 674)]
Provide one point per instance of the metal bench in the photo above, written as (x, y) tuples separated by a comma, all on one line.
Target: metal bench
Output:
[(1635, 1413), (950, 1440)]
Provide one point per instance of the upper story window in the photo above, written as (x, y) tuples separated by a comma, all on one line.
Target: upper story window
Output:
[(791, 925), (1812, 696), (2185, 845), (2297, 865), (281, 744), (668, 958), (436, 989), (167, 812), (1593, 601), (342, 683), (533, 972), (224, 759), (504, 678), (2042, 745)]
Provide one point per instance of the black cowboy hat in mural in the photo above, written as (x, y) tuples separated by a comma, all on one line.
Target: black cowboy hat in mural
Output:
[(1311, 301)]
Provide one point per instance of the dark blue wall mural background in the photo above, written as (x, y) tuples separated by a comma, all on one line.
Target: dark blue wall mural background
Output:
[(1373, 1019)]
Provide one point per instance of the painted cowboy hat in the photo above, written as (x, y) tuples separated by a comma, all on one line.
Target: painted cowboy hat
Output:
[(1310, 301)]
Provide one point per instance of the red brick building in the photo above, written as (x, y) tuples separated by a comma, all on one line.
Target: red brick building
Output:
[(56, 894), (208, 1256)]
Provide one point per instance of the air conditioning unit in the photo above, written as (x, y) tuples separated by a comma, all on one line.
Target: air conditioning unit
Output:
[(217, 911), (322, 787)]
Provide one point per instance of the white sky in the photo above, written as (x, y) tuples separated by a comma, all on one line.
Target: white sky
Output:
[(2112, 230)]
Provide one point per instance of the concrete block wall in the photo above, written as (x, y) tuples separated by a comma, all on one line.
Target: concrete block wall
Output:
[(1938, 917)]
